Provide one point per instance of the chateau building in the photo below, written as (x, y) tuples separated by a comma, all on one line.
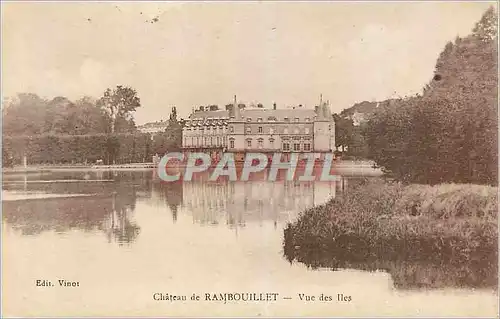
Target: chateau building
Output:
[(256, 129)]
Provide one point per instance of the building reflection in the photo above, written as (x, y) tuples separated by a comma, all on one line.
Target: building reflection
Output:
[(238, 203), (169, 194)]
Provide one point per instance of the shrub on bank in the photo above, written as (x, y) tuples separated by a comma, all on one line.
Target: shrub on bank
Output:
[(57, 149), (389, 221)]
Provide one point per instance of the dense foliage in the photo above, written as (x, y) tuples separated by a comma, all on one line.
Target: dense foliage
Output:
[(448, 134), (29, 114), (85, 131), (72, 149), (381, 225), (171, 139)]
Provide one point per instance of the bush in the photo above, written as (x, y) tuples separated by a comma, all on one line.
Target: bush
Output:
[(59, 149), (390, 221)]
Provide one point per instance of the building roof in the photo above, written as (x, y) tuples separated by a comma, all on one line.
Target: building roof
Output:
[(320, 113), (207, 114), (254, 113), (278, 114)]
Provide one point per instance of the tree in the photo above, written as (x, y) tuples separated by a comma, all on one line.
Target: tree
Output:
[(171, 139), (59, 116), (86, 118), (450, 133), (119, 104), (343, 132), (487, 28), (24, 115)]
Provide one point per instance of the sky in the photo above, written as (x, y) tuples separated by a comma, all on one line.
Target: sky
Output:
[(187, 54)]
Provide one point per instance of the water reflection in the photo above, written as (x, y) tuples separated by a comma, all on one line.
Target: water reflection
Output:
[(111, 207), (237, 203), (241, 206), (110, 211), (406, 274), (171, 194)]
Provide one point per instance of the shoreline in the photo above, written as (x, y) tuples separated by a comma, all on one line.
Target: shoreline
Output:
[(346, 165)]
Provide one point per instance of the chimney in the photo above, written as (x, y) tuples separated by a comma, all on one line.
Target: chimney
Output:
[(274, 106), (236, 108)]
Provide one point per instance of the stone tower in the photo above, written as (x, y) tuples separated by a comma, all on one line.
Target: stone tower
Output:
[(324, 129)]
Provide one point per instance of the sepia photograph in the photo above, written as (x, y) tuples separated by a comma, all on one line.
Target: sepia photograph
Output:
[(165, 159)]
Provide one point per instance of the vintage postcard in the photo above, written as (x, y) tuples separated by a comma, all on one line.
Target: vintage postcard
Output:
[(249, 159)]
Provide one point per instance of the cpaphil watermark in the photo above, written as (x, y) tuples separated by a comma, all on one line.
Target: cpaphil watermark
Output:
[(301, 167)]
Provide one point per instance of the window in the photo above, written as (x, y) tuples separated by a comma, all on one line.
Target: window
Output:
[(208, 128), (285, 130), (192, 141), (206, 140), (296, 147), (231, 143), (259, 119), (231, 129), (307, 147), (296, 119), (260, 142), (308, 119), (271, 118), (271, 131), (286, 119), (197, 141), (249, 143), (260, 129), (211, 141), (249, 119), (286, 146), (249, 130), (307, 130), (271, 142), (218, 141), (296, 130)]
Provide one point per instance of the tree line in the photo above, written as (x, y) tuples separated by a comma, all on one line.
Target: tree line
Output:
[(449, 133), (61, 131)]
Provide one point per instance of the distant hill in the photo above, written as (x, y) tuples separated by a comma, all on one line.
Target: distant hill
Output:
[(361, 111), (362, 107)]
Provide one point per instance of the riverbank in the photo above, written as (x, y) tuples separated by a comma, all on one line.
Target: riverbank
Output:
[(378, 222), (345, 167), (75, 168)]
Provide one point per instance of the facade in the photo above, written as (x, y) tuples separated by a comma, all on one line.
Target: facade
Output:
[(256, 129)]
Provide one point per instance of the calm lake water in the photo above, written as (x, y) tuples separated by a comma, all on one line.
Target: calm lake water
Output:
[(129, 236)]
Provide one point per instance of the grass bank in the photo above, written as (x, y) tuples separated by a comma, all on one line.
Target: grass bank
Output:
[(382, 223)]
